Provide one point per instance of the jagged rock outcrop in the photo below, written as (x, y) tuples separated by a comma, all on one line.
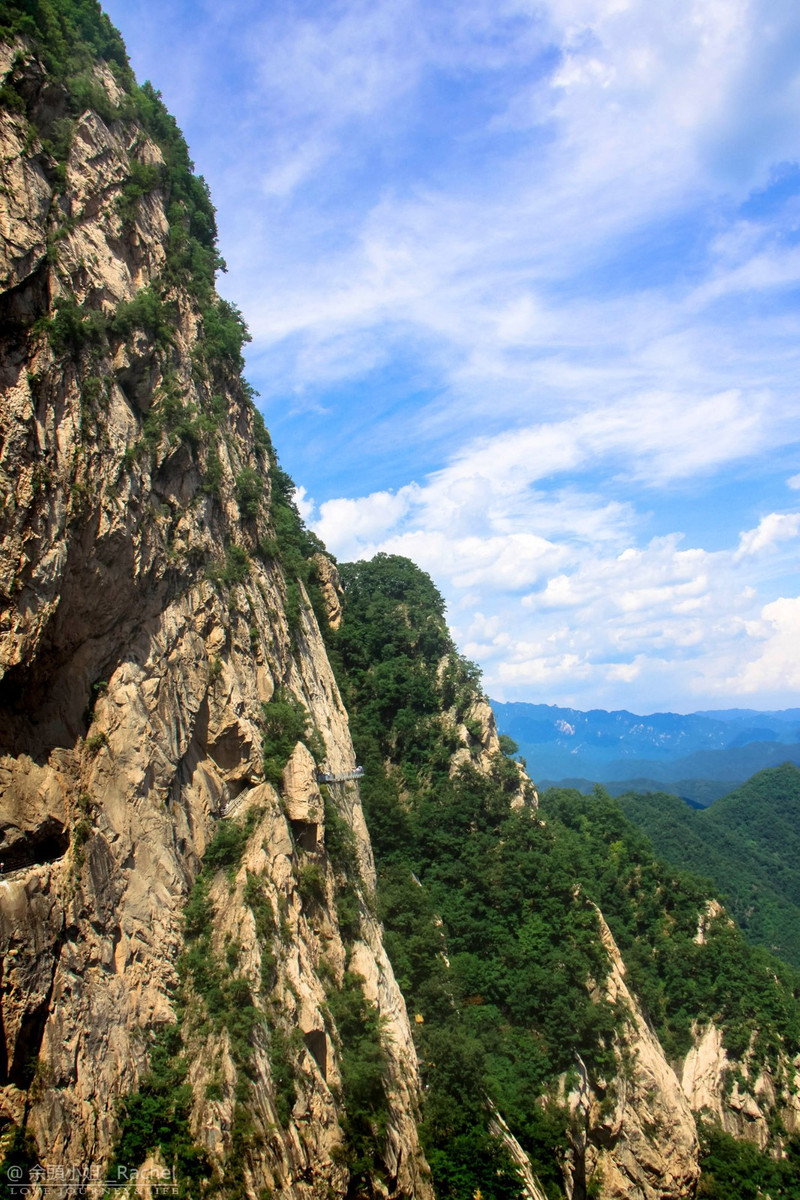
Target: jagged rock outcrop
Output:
[(480, 743), (147, 619), (637, 1138), (750, 1096), (331, 587), (530, 1186)]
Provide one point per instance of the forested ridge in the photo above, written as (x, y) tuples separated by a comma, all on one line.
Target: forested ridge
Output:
[(747, 843), (489, 910)]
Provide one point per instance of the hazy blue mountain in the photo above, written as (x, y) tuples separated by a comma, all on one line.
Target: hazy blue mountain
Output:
[(663, 748), (784, 715)]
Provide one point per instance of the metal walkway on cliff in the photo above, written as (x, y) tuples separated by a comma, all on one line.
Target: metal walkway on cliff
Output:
[(322, 777), (329, 777), (231, 807)]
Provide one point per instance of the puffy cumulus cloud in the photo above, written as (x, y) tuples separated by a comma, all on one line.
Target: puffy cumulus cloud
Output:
[(772, 668), (578, 619), (772, 529), (661, 638), (589, 614), (653, 582), (507, 563), (352, 527), (623, 610), (486, 502), (542, 671), (582, 602), (305, 504)]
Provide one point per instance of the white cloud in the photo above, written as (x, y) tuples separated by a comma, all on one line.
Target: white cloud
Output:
[(598, 611), (775, 667), (348, 526), (775, 267), (533, 213), (626, 138), (777, 527), (507, 563), (292, 168), (305, 504), (575, 618)]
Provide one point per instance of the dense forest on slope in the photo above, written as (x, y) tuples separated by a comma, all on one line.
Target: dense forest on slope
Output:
[(698, 793), (490, 945), (747, 842), (653, 911), (486, 911)]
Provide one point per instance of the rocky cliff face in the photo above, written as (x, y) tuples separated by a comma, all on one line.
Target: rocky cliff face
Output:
[(752, 1096), (147, 620), (637, 1136)]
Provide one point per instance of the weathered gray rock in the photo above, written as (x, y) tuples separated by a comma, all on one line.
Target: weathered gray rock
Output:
[(638, 1139), (745, 1095)]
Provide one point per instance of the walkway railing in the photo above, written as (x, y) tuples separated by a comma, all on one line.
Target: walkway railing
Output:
[(322, 777), (328, 777), (232, 805)]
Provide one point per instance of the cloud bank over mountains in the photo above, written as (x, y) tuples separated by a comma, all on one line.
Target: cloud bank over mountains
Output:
[(522, 281)]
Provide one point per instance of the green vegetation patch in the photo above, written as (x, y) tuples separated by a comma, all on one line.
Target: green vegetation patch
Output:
[(285, 722), (158, 1114), (747, 843), (654, 912), (249, 490), (233, 570), (734, 1170), (362, 1063)]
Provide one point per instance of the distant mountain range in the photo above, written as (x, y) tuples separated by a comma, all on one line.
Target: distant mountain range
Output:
[(645, 753)]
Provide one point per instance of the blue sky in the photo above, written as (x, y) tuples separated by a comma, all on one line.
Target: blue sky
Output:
[(523, 281)]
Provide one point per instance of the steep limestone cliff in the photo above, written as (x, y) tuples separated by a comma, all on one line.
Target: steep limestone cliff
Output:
[(636, 1136), (156, 630), (752, 1093)]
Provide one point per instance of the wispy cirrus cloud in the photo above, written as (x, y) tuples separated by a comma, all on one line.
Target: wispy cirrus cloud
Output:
[(522, 283)]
